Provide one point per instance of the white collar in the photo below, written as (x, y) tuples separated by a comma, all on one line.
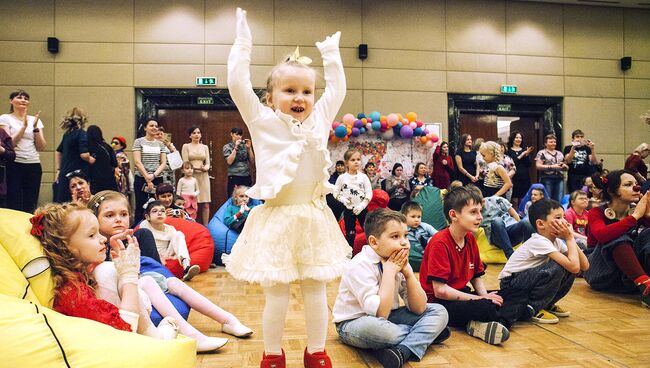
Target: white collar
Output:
[(371, 254)]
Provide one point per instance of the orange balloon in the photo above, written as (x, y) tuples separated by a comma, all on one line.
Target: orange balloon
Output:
[(423, 139), (399, 117), (364, 121), (382, 118), (411, 116), (345, 139)]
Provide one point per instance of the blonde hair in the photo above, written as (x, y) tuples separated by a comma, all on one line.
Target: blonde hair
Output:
[(492, 146), (95, 202), (75, 118), (273, 75), (642, 147), (238, 189), (59, 225), (349, 153)]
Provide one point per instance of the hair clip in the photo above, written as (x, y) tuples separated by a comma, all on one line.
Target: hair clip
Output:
[(37, 225), (295, 56), (603, 179), (99, 201)]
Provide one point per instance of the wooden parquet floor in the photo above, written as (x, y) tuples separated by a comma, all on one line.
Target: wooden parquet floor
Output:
[(604, 330)]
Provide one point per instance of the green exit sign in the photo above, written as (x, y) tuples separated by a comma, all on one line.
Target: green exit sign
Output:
[(512, 90), (504, 107), (205, 101), (206, 81)]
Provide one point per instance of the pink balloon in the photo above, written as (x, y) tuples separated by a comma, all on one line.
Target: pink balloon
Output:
[(429, 144), (413, 125), (419, 123), (434, 139), (348, 119), (405, 121), (426, 131), (392, 119), (335, 124)]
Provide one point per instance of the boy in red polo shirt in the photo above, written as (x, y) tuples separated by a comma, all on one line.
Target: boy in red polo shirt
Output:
[(452, 260)]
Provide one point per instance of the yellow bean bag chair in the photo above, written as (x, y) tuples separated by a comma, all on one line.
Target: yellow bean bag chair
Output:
[(33, 335), (489, 253)]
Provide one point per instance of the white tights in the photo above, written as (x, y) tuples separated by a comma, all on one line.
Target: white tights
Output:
[(316, 315)]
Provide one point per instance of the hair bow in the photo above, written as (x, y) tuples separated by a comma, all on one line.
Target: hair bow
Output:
[(603, 179), (295, 56), (37, 225)]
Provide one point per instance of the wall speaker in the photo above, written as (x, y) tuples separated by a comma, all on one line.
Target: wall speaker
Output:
[(53, 45), (363, 51), (626, 63)]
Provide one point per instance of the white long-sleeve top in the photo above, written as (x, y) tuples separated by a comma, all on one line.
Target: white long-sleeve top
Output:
[(169, 242), (352, 190), (279, 139)]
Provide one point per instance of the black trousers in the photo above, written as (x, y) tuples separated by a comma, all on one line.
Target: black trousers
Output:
[(141, 197), (234, 180), (574, 182), (483, 310), (336, 206), (23, 186), (350, 220)]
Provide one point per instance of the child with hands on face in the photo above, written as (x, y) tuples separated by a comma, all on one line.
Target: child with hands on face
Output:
[(354, 191), (367, 311), (237, 212)]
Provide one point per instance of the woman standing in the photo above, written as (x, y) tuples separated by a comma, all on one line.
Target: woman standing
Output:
[(150, 159), (198, 155), (72, 153), (466, 161), (26, 131), (397, 187), (239, 155), (550, 164), (443, 166), (521, 158), (102, 172)]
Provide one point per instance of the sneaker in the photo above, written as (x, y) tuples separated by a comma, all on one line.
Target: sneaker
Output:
[(493, 333), (442, 336), (389, 358), (317, 360), (645, 294), (545, 317), (527, 313), (273, 361), (559, 311), (190, 272)]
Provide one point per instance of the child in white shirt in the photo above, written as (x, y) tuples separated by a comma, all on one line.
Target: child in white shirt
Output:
[(188, 188), (354, 190)]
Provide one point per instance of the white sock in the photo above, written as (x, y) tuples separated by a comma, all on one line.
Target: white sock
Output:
[(314, 294), (275, 312)]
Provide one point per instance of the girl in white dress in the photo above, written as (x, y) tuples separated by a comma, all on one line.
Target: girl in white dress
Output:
[(293, 236)]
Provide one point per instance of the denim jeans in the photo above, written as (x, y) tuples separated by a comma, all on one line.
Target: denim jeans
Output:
[(402, 327), (504, 237), (554, 187)]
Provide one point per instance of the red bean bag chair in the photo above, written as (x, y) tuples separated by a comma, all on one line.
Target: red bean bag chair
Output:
[(379, 200)]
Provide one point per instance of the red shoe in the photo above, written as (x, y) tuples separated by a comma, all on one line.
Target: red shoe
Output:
[(317, 360), (273, 361)]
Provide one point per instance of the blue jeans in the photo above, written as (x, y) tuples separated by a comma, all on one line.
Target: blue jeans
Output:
[(402, 327), (554, 187), (504, 237)]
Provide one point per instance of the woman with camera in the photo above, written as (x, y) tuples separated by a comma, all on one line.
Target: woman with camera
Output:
[(238, 154), (198, 155)]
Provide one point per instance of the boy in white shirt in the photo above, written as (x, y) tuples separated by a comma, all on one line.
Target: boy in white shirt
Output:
[(367, 312), (543, 268)]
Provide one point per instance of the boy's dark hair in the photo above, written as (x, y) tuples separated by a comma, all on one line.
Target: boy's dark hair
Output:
[(577, 132), (459, 197), (235, 130), (164, 188), (538, 190), (376, 221), (410, 206), (340, 163), (151, 205), (540, 209)]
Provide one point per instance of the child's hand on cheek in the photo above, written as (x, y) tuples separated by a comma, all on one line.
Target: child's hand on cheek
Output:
[(395, 263), (562, 229)]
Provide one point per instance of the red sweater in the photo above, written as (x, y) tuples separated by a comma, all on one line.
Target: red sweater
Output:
[(603, 230)]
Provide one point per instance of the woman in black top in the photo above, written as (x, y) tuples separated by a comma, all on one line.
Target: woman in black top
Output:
[(72, 153), (521, 157), (102, 172), (466, 161)]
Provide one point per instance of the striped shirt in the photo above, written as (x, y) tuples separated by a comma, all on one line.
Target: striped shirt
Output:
[(492, 178), (150, 154)]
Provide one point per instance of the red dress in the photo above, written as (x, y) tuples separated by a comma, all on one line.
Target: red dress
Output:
[(441, 174), (79, 300)]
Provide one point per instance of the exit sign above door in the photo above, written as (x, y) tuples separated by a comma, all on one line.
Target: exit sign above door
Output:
[(206, 81), (508, 89)]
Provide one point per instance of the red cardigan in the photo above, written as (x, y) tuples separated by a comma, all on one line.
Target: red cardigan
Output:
[(603, 230)]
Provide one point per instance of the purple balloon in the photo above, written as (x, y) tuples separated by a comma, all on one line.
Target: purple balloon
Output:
[(426, 131), (355, 132), (406, 131), (358, 123)]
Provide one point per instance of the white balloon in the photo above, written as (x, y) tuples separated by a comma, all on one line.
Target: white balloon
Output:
[(429, 144), (388, 135)]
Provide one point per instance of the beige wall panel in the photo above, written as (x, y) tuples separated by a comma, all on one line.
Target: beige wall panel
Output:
[(218, 54), (154, 53), (45, 194), (259, 75), (349, 56), (640, 69), (41, 98), (600, 118), (27, 74), (594, 87), (220, 21), (404, 80), (636, 130), (72, 74), (612, 162), (386, 22), (592, 68), (593, 32), (94, 21), (305, 22), (466, 82), (535, 65), (402, 59), (431, 107), (82, 52), (352, 104), (637, 32), (162, 75), (24, 51), (476, 26), (17, 14), (466, 62), (111, 108), (353, 77), (537, 85), (528, 33), (172, 21), (637, 88)]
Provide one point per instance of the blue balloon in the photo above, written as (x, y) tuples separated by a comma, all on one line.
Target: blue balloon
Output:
[(362, 130), (406, 131), (417, 132), (340, 131), (399, 125), (376, 125), (361, 115), (375, 115)]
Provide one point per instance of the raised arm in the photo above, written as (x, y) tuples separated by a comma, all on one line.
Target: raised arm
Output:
[(239, 81), (335, 86)]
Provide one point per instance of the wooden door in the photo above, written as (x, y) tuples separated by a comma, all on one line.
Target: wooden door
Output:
[(479, 126), (215, 128)]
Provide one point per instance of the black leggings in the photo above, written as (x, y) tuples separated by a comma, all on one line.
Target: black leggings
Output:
[(141, 197), (147, 244), (350, 220), (23, 186)]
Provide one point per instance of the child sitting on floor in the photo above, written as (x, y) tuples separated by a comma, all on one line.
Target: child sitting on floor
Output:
[(502, 224), (237, 212), (535, 193), (419, 233), (367, 311), (577, 216), (169, 241), (543, 267)]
